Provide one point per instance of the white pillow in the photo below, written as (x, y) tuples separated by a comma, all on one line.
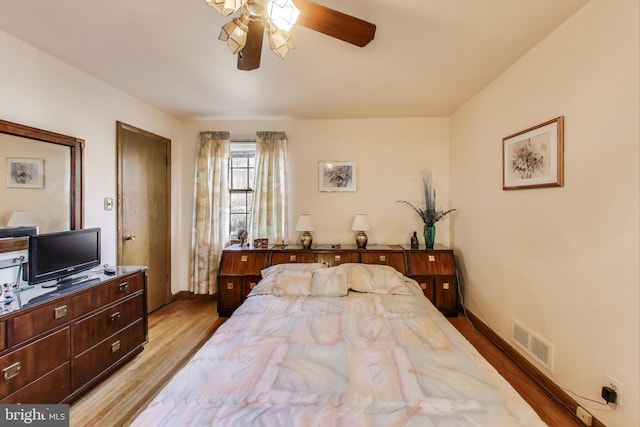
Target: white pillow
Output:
[(295, 266), (294, 283), (377, 279), (329, 282)]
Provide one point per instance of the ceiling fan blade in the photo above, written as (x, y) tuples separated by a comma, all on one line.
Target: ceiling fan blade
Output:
[(249, 56), (335, 24)]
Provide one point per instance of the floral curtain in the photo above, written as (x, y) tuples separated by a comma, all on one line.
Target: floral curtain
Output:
[(269, 210), (210, 211)]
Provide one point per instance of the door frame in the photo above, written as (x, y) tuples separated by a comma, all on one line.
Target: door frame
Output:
[(120, 128)]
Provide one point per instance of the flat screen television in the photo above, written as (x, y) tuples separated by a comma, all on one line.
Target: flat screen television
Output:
[(61, 255)]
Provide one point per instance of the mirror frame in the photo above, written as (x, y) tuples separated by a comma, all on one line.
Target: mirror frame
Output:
[(76, 146)]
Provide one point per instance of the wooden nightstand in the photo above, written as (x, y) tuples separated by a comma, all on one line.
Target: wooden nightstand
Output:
[(435, 272), (239, 272)]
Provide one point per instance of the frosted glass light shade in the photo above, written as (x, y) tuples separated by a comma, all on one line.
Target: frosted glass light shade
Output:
[(21, 219), (235, 33), (304, 223), (282, 13), (225, 7), (280, 42), (360, 223)]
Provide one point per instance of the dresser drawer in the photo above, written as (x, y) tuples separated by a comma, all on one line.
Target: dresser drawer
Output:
[(92, 330), (427, 284), (28, 363), (332, 259), (116, 289), (229, 292), (289, 257), (241, 263), (440, 262), (89, 364), (392, 259), (50, 388), (50, 315)]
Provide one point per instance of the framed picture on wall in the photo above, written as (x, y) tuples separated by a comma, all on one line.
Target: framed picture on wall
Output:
[(25, 173), (336, 176), (534, 157)]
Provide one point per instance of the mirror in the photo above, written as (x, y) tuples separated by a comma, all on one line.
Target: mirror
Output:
[(41, 172)]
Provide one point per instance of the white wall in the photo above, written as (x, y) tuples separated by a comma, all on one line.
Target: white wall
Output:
[(390, 155), (563, 261), (40, 91)]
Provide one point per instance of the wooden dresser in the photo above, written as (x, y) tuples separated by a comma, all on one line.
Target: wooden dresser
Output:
[(53, 350), (434, 270)]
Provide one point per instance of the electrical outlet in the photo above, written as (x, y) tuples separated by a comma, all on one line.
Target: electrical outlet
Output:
[(108, 203), (616, 385), (584, 416)]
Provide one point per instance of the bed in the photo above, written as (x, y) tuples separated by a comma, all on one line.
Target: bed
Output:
[(352, 345)]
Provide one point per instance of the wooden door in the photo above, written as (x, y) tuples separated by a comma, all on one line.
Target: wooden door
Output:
[(144, 178)]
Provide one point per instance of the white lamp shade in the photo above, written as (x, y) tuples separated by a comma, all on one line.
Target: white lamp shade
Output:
[(304, 223), (360, 223), (21, 219)]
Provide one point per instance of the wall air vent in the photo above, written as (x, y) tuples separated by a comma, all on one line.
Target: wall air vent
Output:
[(542, 351), (533, 344), (520, 334)]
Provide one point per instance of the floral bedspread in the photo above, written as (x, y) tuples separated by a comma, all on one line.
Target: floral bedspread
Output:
[(364, 359)]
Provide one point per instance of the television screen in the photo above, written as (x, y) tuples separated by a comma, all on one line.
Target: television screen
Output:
[(62, 254)]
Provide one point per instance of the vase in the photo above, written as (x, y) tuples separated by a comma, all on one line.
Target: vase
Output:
[(429, 235)]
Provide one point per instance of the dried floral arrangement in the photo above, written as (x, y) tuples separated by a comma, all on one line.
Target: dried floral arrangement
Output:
[(430, 215)]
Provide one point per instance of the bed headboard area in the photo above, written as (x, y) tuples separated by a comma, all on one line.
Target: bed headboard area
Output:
[(434, 270)]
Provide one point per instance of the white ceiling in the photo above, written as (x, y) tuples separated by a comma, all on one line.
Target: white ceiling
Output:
[(428, 56)]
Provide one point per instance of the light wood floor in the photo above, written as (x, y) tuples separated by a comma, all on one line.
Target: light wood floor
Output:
[(177, 330)]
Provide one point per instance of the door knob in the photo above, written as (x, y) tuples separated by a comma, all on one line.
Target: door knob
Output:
[(129, 237)]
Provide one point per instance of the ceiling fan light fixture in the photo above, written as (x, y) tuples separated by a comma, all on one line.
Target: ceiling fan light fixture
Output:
[(282, 13), (280, 42), (235, 33), (226, 7)]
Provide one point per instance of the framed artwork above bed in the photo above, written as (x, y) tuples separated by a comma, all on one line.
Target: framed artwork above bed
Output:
[(336, 176), (534, 157)]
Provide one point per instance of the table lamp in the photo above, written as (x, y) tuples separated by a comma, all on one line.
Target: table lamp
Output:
[(361, 224), (306, 225)]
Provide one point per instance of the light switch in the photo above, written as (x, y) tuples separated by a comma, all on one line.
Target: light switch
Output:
[(108, 203)]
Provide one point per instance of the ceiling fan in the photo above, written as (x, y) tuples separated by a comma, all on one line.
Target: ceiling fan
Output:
[(245, 33)]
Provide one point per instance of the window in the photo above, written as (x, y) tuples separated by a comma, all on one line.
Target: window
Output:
[(241, 167)]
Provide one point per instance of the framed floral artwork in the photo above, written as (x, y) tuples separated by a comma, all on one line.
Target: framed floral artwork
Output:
[(336, 176), (25, 173), (534, 158)]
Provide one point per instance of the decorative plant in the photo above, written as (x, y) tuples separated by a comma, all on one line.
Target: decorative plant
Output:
[(429, 214)]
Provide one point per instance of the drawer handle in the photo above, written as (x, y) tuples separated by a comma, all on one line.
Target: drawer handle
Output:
[(124, 286), (423, 285), (445, 285), (115, 346), (60, 312), (292, 258), (244, 258), (252, 285), (229, 286), (336, 258), (432, 258), (115, 316), (383, 258), (11, 371)]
